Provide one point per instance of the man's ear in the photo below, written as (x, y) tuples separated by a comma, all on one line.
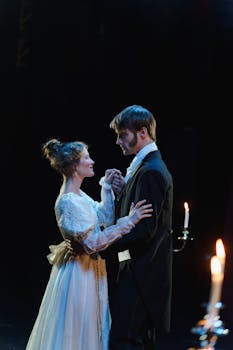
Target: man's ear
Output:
[(143, 132)]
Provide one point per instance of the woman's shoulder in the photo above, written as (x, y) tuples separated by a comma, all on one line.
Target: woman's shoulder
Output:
[(68, 197), (71, 195)]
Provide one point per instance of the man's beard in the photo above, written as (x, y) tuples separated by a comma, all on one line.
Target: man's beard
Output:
[(134, 141), (131, 145)]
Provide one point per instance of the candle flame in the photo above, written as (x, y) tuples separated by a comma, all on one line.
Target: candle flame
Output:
[(215, 265), (186, 207), (220, 251)]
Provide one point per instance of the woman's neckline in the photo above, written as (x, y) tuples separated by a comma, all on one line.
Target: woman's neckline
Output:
[(80, 194)]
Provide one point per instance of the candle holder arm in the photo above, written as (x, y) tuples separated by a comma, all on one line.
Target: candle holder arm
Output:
[(184, 238)]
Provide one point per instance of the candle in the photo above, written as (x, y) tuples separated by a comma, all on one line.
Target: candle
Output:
[(186, 215), (216, 289), (220, 252)]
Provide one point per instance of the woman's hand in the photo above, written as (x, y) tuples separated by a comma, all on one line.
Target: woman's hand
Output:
[(110, 174), (140, 211), (114, 178)]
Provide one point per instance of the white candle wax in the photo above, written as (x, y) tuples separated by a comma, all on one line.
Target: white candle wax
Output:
[(216, 288), (186, 215), (220, 252)]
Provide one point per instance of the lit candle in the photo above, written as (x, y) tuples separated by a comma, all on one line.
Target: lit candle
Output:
[(216, 289), (186, 215), (220, 252)]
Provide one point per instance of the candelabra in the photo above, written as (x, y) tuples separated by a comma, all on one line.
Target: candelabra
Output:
[(208, 330), (184, 238)]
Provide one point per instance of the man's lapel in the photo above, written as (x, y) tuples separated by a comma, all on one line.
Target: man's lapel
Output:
[(134, 172)]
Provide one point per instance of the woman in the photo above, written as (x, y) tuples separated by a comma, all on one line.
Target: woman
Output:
[(74, 313)]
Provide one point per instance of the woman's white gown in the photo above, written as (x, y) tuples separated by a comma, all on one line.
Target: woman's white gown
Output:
[(74, 312)]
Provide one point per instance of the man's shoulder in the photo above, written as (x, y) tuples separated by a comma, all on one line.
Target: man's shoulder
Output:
[(155, 165), (153, 160)]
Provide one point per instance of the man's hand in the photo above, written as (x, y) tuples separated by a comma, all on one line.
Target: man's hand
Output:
[(114, 178), (110, 174), (118, 183)]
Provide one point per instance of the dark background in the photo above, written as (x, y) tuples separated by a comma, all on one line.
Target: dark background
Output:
[(67, 67)]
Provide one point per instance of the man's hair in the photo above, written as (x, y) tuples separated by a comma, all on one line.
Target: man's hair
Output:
[(134, 118)]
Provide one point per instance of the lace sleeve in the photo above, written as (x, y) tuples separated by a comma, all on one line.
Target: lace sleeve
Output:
[(80, 222), (105, 208), (99, 240)]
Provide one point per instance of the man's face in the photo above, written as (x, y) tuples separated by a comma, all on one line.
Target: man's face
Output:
[(128, 141)]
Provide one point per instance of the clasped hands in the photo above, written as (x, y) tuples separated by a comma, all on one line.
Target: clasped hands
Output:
[(114, 178)]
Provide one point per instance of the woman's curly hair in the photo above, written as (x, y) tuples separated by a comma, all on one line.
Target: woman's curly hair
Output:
[(63, 156)]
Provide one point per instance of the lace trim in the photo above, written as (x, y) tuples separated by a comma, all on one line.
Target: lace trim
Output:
[(104, 184)]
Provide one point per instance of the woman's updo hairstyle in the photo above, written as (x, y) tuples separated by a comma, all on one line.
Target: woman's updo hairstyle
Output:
[(63, 156)]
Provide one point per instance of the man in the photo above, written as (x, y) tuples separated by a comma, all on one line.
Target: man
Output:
[(139, 264)]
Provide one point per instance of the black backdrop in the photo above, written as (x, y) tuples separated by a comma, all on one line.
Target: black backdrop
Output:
[(67, 67)]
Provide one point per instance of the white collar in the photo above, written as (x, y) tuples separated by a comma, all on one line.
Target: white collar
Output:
[(145, 150), (139, 157)]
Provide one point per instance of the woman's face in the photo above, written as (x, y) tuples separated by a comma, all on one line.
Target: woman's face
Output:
[(85, 166)]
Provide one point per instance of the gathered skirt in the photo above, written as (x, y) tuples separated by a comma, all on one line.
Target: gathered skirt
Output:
[(74, 312)]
